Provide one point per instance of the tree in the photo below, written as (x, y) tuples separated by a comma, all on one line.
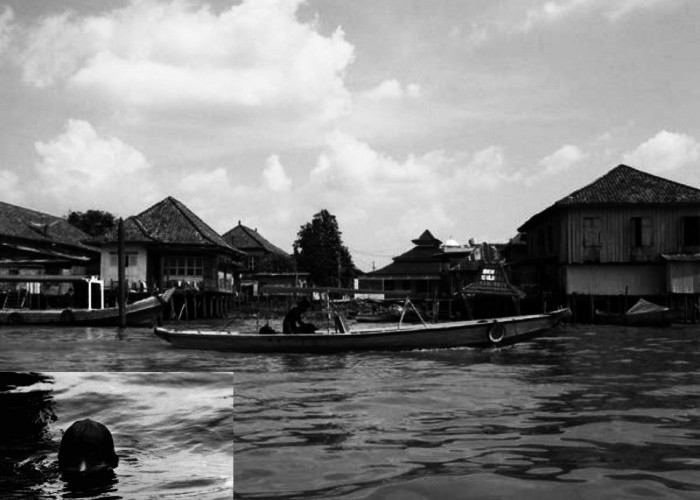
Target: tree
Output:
[(92, 222), (319, 250)]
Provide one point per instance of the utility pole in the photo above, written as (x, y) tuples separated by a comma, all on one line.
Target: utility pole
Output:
[(121, 274)]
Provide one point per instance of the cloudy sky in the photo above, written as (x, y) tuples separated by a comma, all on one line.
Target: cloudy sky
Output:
[(464, 117)]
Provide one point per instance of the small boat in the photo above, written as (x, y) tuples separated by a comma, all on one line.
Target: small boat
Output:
[(643, 313), (474, 333), (144, 312)]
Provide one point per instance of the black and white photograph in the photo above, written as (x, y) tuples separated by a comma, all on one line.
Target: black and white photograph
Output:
[(350, 249), (116, 435)]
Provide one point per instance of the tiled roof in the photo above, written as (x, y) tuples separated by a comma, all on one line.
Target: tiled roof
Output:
[(169, 222), (407, 268), (427, 239), (496, 284), (247, 239), (422, 259), (625, 185), (24, 223)]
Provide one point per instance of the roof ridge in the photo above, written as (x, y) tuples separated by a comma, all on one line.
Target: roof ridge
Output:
[(142, 227), (199, 224), (181, 208), (616, 170)]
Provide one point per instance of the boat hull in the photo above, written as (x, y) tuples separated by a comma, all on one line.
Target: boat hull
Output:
[(481, 333), (655, 318), (146, 312)]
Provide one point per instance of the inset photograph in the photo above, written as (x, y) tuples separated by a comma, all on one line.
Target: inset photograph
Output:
[(116, 435)]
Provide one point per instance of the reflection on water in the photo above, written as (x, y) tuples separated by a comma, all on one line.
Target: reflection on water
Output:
[(591, 412), (173, 434)]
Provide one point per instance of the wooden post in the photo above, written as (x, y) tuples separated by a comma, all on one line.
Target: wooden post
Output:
[(121, 274)]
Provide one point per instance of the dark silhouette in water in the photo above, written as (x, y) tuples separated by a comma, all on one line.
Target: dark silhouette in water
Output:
[(87, 449)]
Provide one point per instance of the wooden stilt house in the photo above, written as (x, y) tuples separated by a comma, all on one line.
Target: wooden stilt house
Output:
[(168, 246), (627, 235)]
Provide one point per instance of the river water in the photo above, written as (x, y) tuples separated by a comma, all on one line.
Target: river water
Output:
[(99, 349), (593, 412), (173, 433)]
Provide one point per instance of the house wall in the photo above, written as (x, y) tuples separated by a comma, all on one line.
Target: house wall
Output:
[(563, 235), (197, 271), (616, 234), (683, 277), (611, 279), (135, 270)]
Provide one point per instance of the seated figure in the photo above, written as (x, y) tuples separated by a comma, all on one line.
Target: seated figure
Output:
[(293, 323)]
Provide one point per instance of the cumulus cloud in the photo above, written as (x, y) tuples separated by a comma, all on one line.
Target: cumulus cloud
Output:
[(10, 188), (80, 168), (392, 89), (6, 28), (274, 176), (556, 11), (561, 160), (664, 152), (256, 54)]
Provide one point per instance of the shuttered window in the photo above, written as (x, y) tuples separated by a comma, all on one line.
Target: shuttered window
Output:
[(691, 231), (641, 228), (591, 232)]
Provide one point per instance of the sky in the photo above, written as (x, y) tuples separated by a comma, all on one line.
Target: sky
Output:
[(464, 117)]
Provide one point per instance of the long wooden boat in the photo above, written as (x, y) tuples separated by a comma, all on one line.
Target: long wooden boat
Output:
[(144, 312), (643, 313), (476, 333)]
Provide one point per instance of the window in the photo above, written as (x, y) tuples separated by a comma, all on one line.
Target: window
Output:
[(691, 231), (591, 232), (549, 246), (641, 231), (183, 266)]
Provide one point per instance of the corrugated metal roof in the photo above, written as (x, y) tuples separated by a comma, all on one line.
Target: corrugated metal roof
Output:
[(624, 185)]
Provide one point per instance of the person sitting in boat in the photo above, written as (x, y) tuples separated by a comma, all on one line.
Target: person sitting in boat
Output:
[(293, 323)]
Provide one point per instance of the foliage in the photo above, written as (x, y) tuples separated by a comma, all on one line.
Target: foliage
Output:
[(92, 222), (276, 263), (319, 250)]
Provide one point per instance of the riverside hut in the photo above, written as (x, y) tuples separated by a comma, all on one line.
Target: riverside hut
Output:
[(168, 246), (36, 243), (627, 235)]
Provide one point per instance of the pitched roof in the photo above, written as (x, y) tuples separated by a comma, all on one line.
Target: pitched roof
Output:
[(24, 223), (247, 239), (492, 280), (426, 239), (169, 222), (624, 185), (422, 259)]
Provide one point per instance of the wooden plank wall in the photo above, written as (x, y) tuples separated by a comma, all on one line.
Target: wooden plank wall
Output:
[(616, 232)]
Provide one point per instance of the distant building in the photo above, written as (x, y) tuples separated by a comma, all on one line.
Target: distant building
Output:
[(264, 264), (430, 270), (167, 245), (35, 243), (628, 234)]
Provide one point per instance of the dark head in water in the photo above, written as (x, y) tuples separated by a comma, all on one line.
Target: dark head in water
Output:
[(87, 448)]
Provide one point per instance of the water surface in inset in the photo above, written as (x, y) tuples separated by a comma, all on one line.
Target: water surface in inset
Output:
[(173, 433)]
